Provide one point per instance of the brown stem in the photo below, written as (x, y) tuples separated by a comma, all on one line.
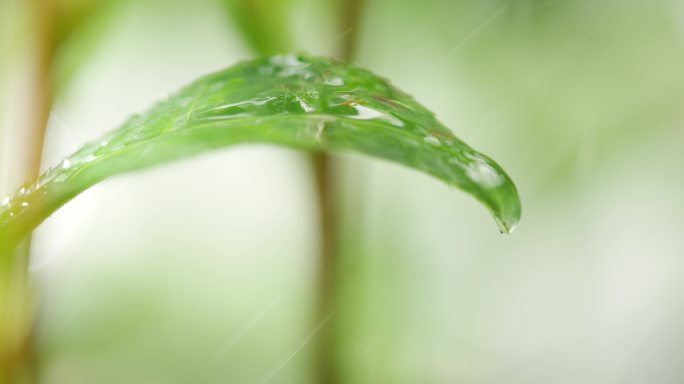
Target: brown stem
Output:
[(16, 314), (42, 94), (327, 371), (17, 358), (350, 15)]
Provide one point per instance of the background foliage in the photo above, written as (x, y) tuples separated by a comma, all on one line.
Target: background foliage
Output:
[(203, 271)]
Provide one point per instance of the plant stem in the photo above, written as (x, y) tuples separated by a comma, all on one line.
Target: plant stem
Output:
[(350, 11), (16, 353), (17, 358), (328, 370), (42, 97), (326, 358)]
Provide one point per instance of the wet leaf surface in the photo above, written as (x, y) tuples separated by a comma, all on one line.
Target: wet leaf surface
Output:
[(292, 100)]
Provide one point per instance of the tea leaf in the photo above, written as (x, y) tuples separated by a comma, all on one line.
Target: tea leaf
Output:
[(292, 100)]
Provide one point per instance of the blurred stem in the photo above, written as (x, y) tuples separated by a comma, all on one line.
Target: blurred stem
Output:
[(42, 94), (326, 359), (350, 15), (16, 318), (328, 370), (16, 305)]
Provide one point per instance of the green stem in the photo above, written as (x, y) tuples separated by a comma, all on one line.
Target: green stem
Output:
[(328, 370)]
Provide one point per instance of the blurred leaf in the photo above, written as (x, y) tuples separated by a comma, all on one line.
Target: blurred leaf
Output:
[(291, 100), (80, 26), (263, 23), (71, 13)]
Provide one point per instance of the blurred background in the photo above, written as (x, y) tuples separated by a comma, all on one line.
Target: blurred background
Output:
[(204, 270)]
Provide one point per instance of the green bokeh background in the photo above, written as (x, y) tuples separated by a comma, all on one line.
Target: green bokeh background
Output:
[(203, 271)]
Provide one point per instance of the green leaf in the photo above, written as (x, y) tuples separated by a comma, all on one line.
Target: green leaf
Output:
[(292, 100)]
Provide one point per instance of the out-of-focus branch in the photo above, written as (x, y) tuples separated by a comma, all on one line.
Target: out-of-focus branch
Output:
[(328, 370), (17, 359), (42, 91), (350, 17)]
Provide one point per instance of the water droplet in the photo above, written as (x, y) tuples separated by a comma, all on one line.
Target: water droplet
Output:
[(366, 113), (334, 81), (503, 227), (225, 108), (255, 107), (5, 201), (482, 172), (432, 140), (66, 164), (290, 65), (306, 107), (24, 204)]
